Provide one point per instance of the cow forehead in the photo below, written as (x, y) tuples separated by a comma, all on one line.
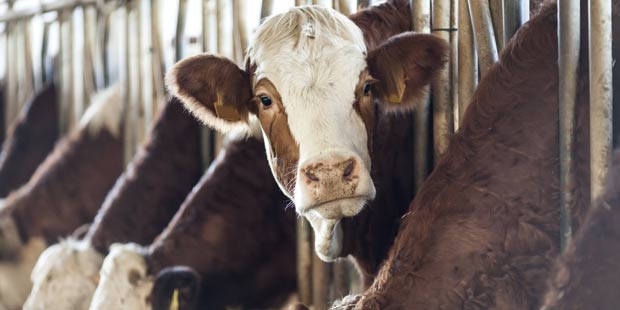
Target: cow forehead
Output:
[(308, 50)]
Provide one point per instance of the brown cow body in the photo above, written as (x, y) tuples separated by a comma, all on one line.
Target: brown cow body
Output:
[(484, 228), (222, 231), (30, 139)]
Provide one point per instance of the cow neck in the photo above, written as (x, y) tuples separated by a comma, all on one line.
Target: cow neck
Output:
[(155, 183)]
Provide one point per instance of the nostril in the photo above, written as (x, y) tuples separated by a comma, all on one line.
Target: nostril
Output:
[(311, 176), (350, 165)]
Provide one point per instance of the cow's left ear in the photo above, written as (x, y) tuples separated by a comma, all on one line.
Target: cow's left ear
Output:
[(404, 65)]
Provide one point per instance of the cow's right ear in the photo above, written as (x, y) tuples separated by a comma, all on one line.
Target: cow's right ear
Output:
[(212, 88)]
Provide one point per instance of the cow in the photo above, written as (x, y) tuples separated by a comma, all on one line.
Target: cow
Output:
[(483, 231), (64, 192), (30, 139), (231, 232), (328, 96), (142, 202), (587, 276)]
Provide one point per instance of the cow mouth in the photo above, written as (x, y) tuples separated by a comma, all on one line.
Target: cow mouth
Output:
[(325, 221), (336, 209)]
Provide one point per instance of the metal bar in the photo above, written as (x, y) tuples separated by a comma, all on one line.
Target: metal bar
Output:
[(467, 60), (568, 61), (304, 261), (44, 51), (67, 116), (180, 30), (440, 88), (497, 16), (129, 138), (321, 281), (157, 58), (483, 34), (142, 121), (420, 20), (513, 18), (344, 7), (601, 93), (27, 87), (59, 5), (266, 9), (454, 55)]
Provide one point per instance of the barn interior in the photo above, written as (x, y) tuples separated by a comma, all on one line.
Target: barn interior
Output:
[(85, 118)]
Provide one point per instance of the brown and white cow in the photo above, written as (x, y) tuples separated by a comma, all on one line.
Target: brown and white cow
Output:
[(587, 275), (232, 230), (30, 139), (137, 209), (64, 193), (319, 88)]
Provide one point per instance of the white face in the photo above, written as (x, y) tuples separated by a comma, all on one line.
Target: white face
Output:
[(311, 73), (124, 282), (65, 277)]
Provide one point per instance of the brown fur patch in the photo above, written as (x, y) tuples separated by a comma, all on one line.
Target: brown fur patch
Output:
[(148, 194), (30, 139), (284, 151), (68, 188)]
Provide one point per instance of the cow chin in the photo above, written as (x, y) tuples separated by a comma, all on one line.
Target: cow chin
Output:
[(327, 236)]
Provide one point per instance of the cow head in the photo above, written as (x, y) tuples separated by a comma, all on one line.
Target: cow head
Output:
[(312, 90)]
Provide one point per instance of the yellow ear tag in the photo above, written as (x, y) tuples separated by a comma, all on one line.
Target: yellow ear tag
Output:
[(225, 112), (174, 303), (400, 93)]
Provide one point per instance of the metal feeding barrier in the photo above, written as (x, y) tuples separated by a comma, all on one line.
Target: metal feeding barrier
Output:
[(122, 41)]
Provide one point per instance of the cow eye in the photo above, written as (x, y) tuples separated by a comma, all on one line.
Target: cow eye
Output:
[(366, 89), (266, 101)]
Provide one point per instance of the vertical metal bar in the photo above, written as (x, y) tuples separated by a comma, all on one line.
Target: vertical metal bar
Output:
[(27, 86), (483, 34), (129, 139), (219, 7), (601, 93), (344, 7), (568, 60), (180, 30), (441, 93), (11, 73), (157, 58), (513, 18), (141, 124), (44, 51), (304, 261), (420, 20), (362, 4), (497, 16), (89, 60), (266, 8), (67, 116), (454, 55), (320, 283), (467, 60)]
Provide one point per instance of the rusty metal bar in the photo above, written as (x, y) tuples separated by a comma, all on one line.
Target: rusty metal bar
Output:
[(207, 135), (483, 34), (440, 88), (420, 20), (129, 138), (467, 60), (601, 93), (67, 116), (568, 61)]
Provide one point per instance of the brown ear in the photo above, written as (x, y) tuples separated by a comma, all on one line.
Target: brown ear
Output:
[(404, 65), (212, 88)]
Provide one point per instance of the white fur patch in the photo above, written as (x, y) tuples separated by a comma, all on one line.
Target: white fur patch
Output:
[(124, 282), (14, 276), (105, 111), (65, 276)]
